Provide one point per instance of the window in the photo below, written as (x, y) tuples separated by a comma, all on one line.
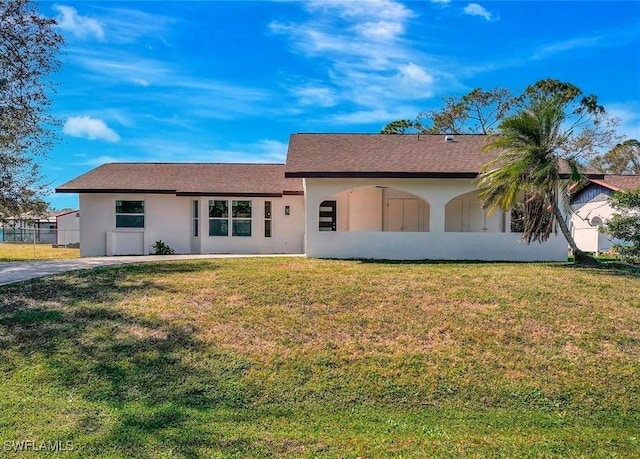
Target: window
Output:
[(218, 218), (241, 218), (267, 219), (129, 214), (195, 222)]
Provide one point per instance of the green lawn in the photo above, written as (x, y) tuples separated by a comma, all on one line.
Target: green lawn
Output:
[(287, 357), (29, 252)]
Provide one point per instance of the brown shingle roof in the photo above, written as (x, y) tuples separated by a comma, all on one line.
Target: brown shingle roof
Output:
[(332, 155), (384, 155), (619, 182), (186, 179)]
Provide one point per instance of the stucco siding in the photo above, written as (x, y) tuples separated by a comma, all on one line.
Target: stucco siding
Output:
[(170, 219), (485, 244), (166, 218), (68, 228), (585, 229), (433, 246), (287, 230)]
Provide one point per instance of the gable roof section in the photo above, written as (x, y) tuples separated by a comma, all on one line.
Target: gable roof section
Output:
[(601, 189), (384, 155), (619, 182), (186, 179)]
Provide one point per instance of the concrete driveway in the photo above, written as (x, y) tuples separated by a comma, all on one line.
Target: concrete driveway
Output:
[(19, 271)]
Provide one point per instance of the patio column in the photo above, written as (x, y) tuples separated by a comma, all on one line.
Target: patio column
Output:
[(437, 216)]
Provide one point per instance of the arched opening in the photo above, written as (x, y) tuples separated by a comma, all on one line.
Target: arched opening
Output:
[(465, 214), (375, 209)]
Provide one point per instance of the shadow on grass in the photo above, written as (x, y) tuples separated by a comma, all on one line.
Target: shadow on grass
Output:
[(432, 262), (150, 377), (613, 268)]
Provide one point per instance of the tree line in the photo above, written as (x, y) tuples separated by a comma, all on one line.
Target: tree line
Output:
[(546, 138), (481, 111)]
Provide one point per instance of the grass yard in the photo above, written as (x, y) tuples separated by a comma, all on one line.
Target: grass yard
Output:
[(28, 252), (287, 357)]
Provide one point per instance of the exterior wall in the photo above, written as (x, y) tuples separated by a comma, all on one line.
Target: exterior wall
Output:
[(287, 230), (170, 219), (365, 209), (435, 244), (588, 238), (167, 218), (68, 228)]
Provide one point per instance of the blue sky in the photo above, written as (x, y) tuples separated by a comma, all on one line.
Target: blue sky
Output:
[(228, 81)]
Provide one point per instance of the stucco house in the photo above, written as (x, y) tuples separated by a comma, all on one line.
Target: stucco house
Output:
[(591, 210), (337, 196)]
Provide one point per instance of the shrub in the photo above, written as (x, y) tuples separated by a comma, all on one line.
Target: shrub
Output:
[(160, 248), (625, 224)]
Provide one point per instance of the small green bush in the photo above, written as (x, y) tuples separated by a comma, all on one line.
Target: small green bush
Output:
[(160, 248)]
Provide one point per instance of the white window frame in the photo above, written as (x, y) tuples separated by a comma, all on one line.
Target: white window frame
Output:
[(131, 214), (268, 219), (237, 219), (221, 219), (195, 218)]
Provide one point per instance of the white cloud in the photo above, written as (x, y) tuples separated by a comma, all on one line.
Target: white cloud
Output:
[(378, 115), (141, 82), (319, 96), (441, 1), (629, 116), (81, 26), (126, 25), (370, 62), (89, 128), (166, 149), (475, 9), (414, 74)]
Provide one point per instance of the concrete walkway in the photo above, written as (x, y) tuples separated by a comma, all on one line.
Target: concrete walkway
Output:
[(18, 271)]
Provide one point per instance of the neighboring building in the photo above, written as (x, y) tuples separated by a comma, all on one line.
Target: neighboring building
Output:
[(30, 227), (591, 210), (365, 196), (194, 208), (68, 228)]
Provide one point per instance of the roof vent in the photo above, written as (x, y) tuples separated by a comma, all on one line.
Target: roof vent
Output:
[(448, 138)]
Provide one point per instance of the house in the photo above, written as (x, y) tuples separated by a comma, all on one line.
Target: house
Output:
[(338, 196), (591, 210), (68, 228), (194, 208)]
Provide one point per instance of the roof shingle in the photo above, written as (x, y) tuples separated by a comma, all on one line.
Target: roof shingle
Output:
[(375, 154), (196, 179), (620, 182), (384, 155)]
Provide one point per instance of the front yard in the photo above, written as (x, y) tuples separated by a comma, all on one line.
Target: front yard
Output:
[(29, 252), (287, 357)]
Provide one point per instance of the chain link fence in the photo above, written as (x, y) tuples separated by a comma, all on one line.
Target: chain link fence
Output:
[(38, 243)]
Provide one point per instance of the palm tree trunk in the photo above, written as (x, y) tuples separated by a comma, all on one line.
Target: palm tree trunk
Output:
[(580, 258)]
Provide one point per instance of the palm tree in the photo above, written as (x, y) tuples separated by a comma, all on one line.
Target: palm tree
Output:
[(527, 171)]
